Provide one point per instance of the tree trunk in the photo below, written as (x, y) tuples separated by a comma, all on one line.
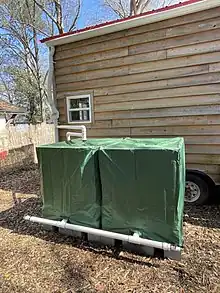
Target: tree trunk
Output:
[(59, 16), (133, 7)]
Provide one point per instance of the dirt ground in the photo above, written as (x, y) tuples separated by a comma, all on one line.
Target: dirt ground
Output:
[(34, 260)]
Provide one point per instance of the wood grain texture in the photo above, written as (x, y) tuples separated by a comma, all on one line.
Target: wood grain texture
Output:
[(93, 79), (201, 79), (158, 80), (87, 64), (187, 50), (160, 94), (177, 130), (159, 103), (157, 113), (96, 56), (146, 37), (169, 121), (209, 159), (180, 41), (211, 169), (174, 22)]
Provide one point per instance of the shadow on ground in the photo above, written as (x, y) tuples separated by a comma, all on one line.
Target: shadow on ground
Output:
[(21, 180), (204, 216), (13, 219)]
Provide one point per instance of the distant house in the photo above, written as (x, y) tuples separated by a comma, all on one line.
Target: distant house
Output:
[(8, 112)]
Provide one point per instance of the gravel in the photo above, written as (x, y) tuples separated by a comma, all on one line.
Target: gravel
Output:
[(35, 260)]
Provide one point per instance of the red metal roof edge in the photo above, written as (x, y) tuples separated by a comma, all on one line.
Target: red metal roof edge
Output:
[(180, 4)]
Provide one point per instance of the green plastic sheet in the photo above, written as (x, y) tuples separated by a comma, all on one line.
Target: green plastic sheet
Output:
[(120, 185), (70, 183)]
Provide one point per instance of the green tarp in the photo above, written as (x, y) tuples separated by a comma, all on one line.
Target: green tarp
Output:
[(121, 185), (70, 184)]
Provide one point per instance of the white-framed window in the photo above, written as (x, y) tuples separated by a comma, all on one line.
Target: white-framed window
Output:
[(79, 109)]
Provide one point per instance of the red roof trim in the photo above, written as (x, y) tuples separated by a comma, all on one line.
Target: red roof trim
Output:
[(120, 20)]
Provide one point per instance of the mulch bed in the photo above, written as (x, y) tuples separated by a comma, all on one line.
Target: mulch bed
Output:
[(34, 260)]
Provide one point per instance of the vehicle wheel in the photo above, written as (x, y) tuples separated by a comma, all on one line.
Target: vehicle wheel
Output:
[(197, 190)]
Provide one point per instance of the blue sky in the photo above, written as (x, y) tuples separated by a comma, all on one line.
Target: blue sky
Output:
[(93, 11)]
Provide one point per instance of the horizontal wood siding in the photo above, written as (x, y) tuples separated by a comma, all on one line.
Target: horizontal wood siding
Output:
[(158, 80)]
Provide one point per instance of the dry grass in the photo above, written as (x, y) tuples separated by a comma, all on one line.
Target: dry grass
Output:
[(33, 260)]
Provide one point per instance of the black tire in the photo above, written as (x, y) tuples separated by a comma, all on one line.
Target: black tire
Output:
[(203, 189)]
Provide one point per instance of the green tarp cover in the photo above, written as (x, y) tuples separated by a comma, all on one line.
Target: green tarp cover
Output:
[(70, 184), (121, 185)]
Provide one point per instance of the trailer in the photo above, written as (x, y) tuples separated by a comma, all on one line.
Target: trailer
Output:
[(154, 75)]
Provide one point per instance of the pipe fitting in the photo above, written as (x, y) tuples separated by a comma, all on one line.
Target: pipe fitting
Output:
[(135, 239)]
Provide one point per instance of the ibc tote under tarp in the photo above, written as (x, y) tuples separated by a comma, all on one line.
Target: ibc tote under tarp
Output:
[(120, 185)]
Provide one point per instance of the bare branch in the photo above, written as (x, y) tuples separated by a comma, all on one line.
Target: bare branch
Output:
[(118, 8), (144, 5), (76, 17), (59, 15), (45, 11)]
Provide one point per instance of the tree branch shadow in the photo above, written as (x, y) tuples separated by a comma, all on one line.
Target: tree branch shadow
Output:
[(204, 216), (12, 219)]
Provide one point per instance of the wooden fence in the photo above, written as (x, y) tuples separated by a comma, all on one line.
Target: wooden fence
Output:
[(20, 142)]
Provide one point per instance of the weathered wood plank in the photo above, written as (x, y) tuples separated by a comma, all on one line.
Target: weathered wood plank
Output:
[(201, 48), (177, 130), (66, 67), (191, 28), (144, 37), (68, 80), (177, 21), (175, 63), (210, 169), (168, 121), (95, 81), (142, 63), (157, 113), (159, 103), (210, 159), (175, 42), (160, 94), (94, 40), (202, 149), (96, 56), (155, 85), (109, 132), (112, 44), (202, 139), (215, 67)]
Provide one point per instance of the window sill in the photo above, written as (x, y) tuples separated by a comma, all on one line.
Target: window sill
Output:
[(80, 122)]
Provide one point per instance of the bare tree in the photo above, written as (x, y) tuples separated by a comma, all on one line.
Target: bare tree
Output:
[(125, 8), (19, 23), (22, 24), (62, 14)]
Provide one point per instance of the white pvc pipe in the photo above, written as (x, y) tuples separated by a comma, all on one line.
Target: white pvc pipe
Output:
[(50, 91), (70, 134), (135, 239), (75, 127)]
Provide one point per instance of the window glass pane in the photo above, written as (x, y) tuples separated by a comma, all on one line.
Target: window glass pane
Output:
[(79, 103), (79, 115)]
